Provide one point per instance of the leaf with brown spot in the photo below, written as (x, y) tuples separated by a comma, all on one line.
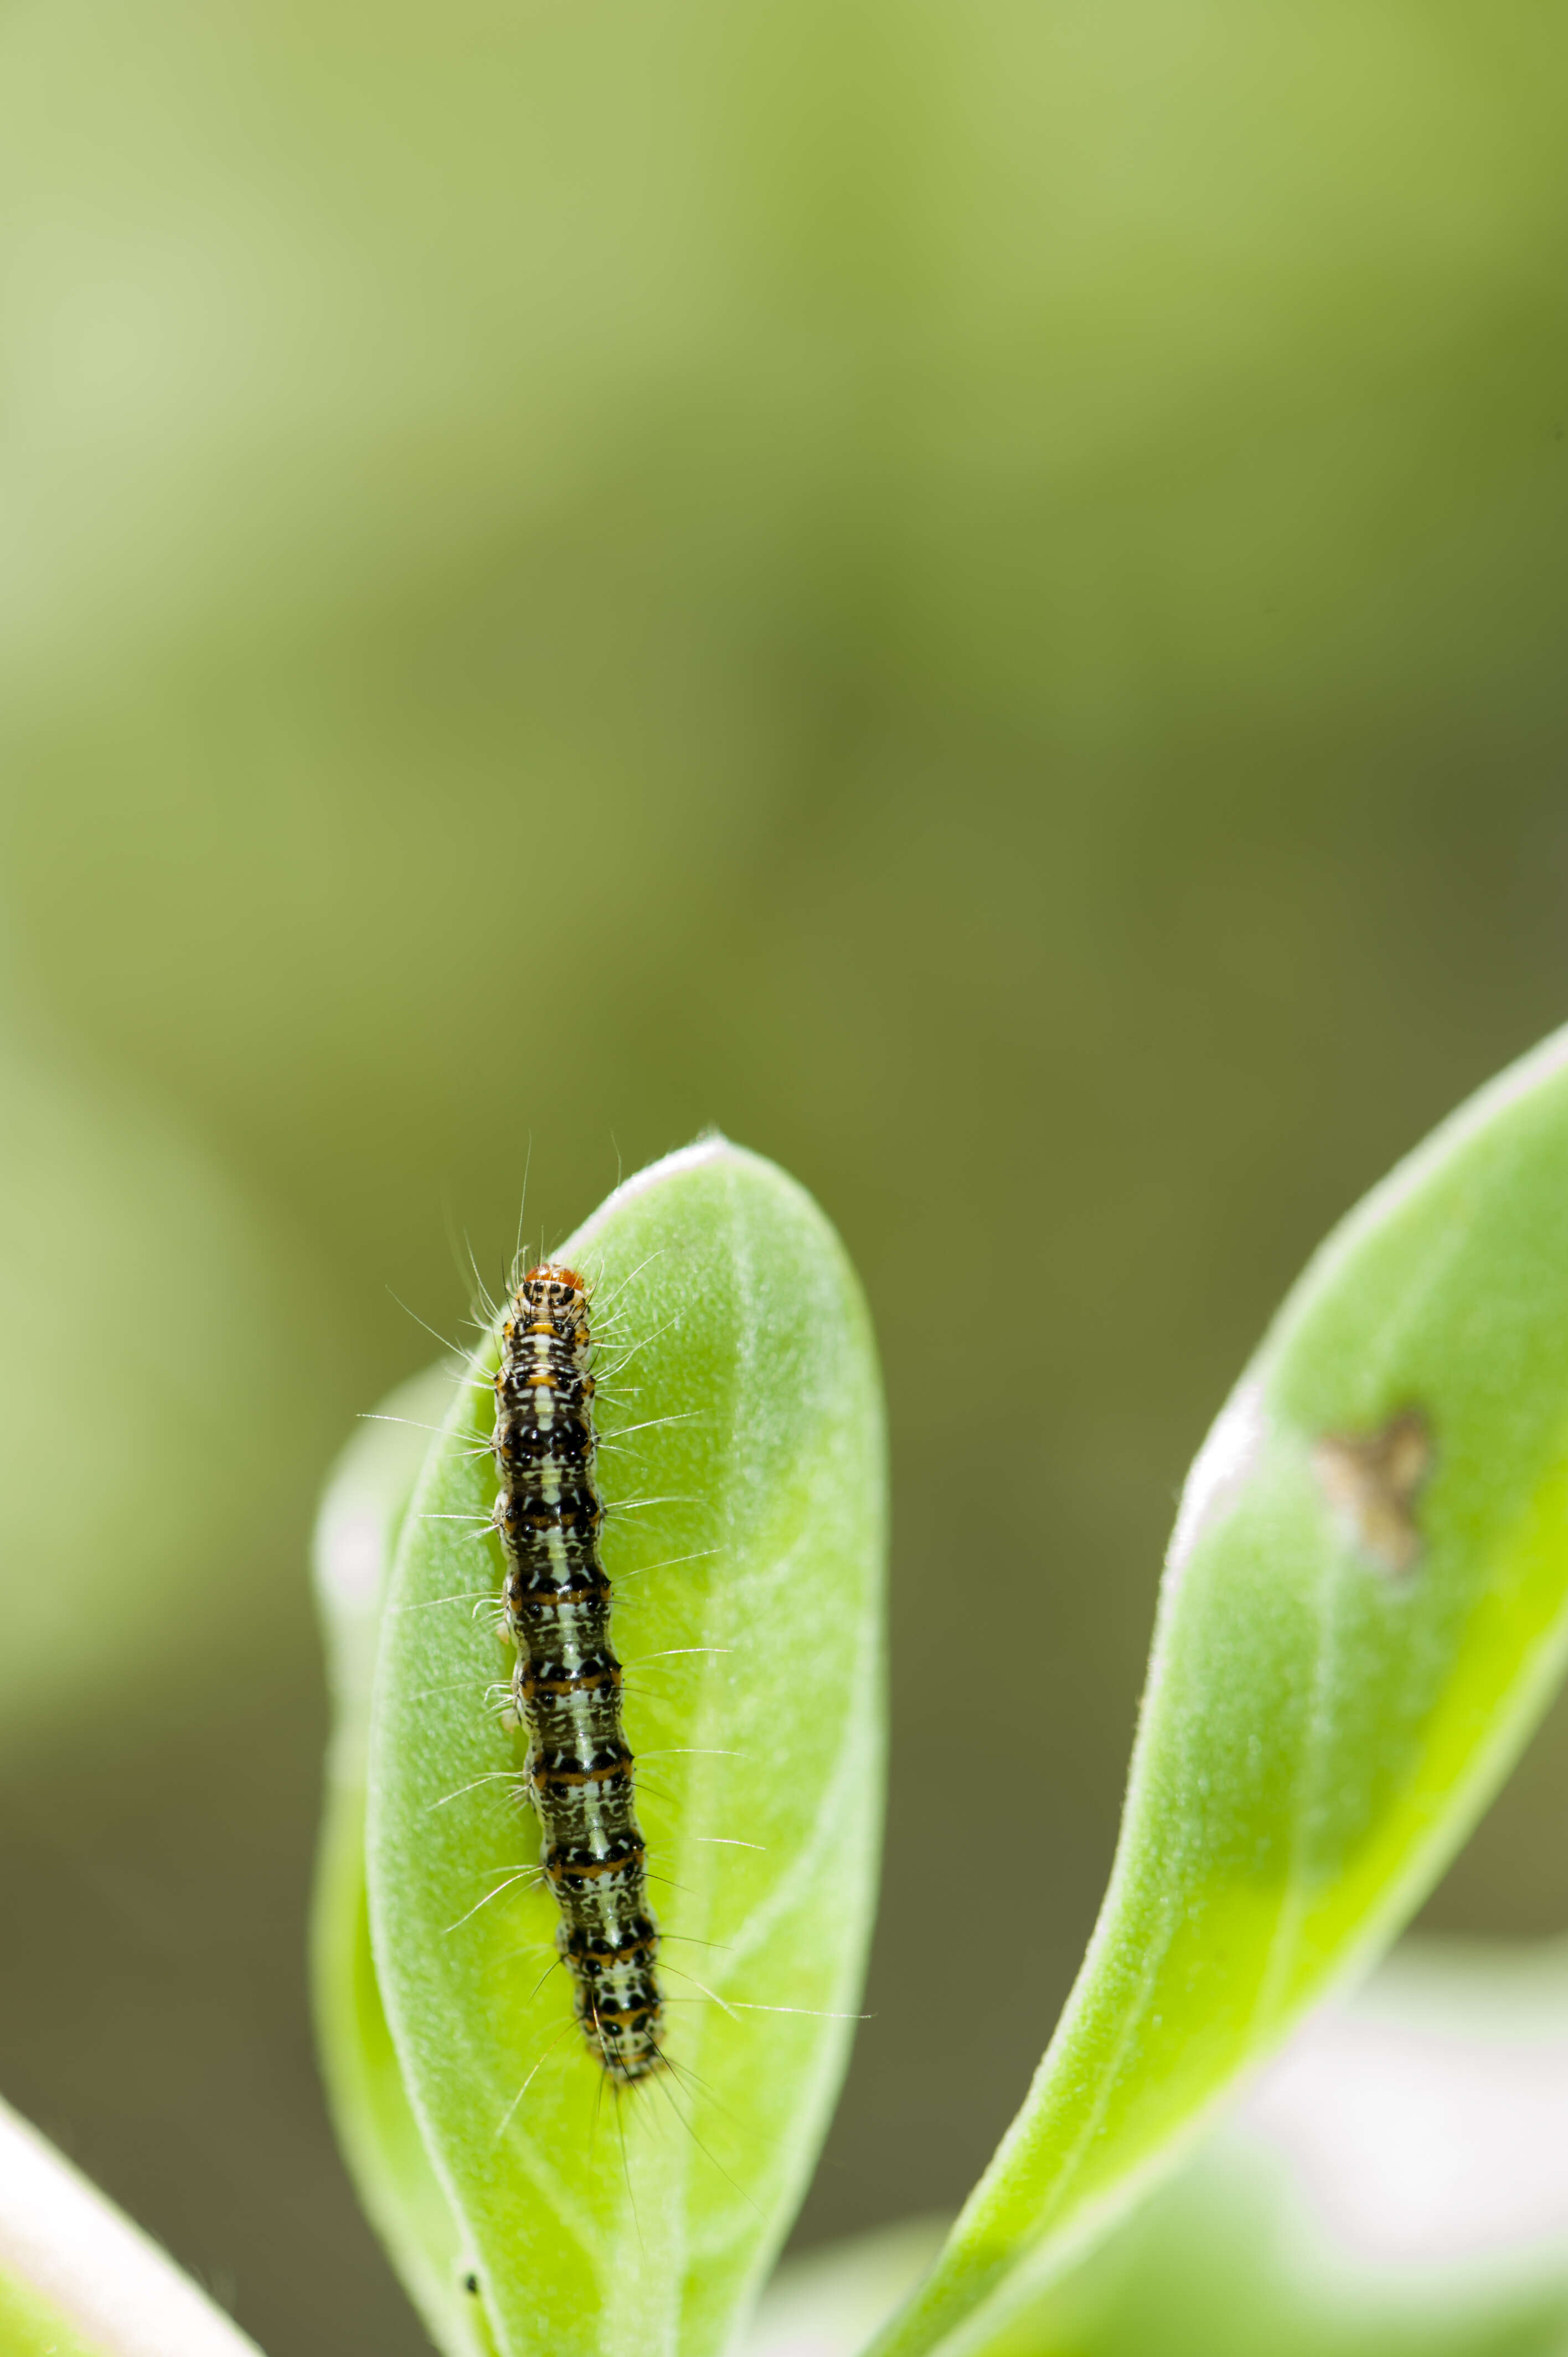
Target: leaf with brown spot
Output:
[(1315, 1742), (1372, 1480)]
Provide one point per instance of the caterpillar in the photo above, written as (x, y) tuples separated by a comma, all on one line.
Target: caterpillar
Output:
[(566, 1683)]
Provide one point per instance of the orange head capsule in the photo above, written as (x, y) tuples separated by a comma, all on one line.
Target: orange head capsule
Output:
[(555, 1272)]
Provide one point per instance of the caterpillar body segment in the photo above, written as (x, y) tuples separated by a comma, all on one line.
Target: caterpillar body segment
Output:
[(580, 1772)]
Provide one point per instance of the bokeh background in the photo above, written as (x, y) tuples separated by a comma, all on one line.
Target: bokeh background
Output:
[(973, 590)]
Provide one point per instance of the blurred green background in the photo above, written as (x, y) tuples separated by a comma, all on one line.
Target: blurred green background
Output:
[(972, 591)]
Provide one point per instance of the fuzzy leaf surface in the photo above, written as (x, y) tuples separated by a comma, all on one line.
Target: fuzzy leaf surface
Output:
[(1363, 1615), (742, 1459), (361, 1514)]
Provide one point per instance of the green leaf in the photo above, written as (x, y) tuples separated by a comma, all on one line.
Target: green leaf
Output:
[(356, 1531), (743, 1435), (1392, 2188), (1363, 1616)]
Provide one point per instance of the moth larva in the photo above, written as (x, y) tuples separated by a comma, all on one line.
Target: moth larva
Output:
[(568, 1681)]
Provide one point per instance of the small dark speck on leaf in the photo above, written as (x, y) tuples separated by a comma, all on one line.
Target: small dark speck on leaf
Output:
[(1372, 1480)]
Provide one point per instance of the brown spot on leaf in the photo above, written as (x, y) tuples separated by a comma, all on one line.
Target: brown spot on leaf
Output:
[(1372, 1480)]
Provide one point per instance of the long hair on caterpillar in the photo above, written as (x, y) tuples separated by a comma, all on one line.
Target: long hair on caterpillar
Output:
[(564, 1697), (736, 1567), (554, 1409)]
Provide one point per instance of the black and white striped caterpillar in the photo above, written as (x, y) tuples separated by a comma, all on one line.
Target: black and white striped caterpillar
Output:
[(567, 1680)]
